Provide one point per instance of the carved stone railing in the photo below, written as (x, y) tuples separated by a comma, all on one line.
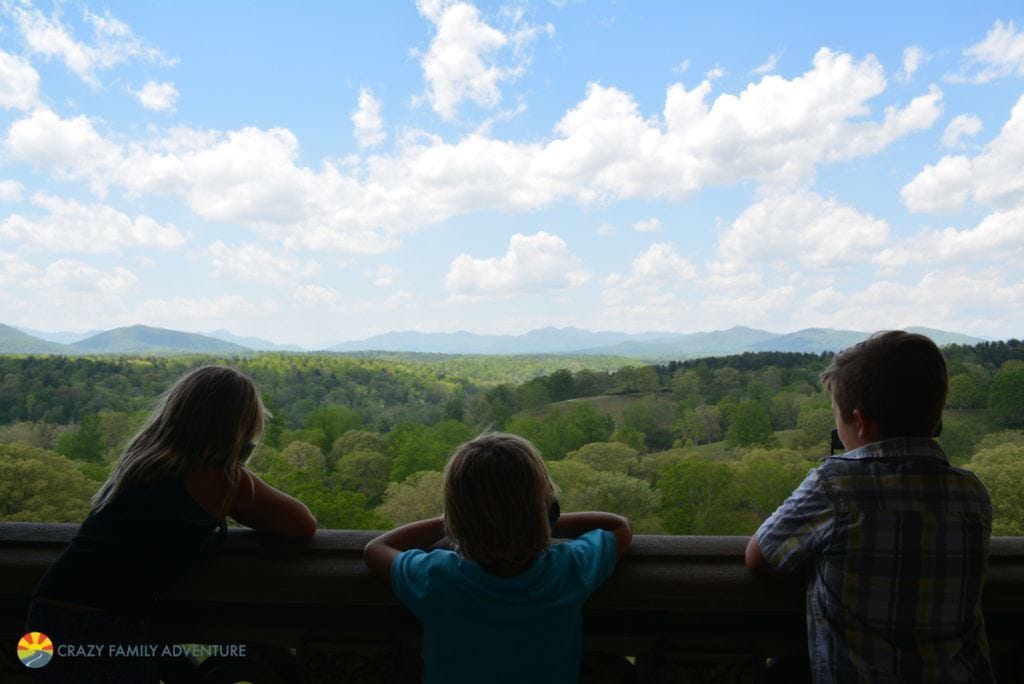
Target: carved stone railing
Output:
[(679, 609)]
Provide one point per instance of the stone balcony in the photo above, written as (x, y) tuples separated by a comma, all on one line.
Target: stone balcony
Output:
[(679, 609)]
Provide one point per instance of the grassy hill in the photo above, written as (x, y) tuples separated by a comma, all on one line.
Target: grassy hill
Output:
[(141, 339), (13, 341)]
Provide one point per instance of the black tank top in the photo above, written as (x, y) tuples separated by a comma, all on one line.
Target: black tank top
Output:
[(129, 553)]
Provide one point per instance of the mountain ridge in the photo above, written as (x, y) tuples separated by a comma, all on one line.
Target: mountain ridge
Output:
[(648, 346)]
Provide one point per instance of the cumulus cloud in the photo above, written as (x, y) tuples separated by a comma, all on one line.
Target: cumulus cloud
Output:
[(252, 263), (606, 229), (802, 228), (81, 277), (367, 121), (532, 263), (383, 276), (913, 58), (462, 61), (775, 132), (315, 294), (990, 178), (183, 312), (113, 41), (19, 83), (159, 97), (1000, 53), (71, 226), (964, 124), (649, 293), (11, 191), (651, 225), (1000, 235)]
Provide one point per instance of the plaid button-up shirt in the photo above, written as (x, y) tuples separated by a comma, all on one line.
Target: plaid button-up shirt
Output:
[(897, 543)]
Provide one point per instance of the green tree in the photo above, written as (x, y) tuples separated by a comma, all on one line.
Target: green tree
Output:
[(765, 478), (1001, 468), (1006, 397), (750, 425), (583, 488), (815, 423), (703, 425), (304, 456), (607, 457), (85, 443), (356, 440), (416, 498), (333, 421), (653, 418), (365, 472), (42, 486), (695, 497), (965, 392)]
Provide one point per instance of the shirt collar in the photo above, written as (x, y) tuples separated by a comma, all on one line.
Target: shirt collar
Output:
[(898, 447)]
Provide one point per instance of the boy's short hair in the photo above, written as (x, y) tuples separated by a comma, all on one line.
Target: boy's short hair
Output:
[(497, 494), (897, 378)]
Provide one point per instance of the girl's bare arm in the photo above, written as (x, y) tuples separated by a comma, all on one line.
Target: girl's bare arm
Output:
[(381, 551), (266, 509), (575, 524)]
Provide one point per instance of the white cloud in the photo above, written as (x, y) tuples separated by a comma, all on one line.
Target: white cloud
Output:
[(367, 121), (768, 66), (650, 294), (964, 124), (315, 294), (90, 228), (252, 263), (651, 225), (11, 191), (991, 178), (113, 41), (160, 97), (913, 58), (462, 62), (81, 277), (182, 312), (715, 73), (802, 228), (532, 263), (19, 83), (681, 67), (1000, 53), (775, 132), (606, 229), (383, 276), (1000, 235)]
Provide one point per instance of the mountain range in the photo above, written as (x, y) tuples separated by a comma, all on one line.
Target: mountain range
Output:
[(653, 346)]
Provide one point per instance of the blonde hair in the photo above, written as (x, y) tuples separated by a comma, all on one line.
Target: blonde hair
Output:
[(207, 418), (497, 494)]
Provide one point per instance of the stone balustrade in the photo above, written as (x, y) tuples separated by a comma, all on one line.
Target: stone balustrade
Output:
[(679, 609)]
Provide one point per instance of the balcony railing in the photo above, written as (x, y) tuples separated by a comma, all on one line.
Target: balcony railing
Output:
[(679, 609)]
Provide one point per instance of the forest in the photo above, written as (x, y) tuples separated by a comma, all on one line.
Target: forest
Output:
[(703, 446)]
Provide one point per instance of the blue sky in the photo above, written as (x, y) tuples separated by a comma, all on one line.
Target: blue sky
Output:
[(317, 172)]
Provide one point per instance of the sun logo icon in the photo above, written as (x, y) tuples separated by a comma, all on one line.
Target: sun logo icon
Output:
[(35, 649)]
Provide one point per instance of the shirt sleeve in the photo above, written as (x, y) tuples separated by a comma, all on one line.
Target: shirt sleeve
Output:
[(409, 571), (797, 528), (594, 554)]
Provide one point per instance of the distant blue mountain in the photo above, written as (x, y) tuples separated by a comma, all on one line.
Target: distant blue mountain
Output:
[(254, 343)]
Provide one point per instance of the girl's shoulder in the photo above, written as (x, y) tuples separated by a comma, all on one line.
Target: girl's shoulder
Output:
[(211, 488)]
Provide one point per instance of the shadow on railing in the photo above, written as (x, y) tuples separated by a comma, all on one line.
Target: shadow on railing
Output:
[(679, 609)]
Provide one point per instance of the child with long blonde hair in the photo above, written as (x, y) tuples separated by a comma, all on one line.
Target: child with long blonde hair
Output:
[(162, 508), (506, 604)]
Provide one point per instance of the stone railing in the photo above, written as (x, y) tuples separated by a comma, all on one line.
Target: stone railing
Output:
[(679, 609)]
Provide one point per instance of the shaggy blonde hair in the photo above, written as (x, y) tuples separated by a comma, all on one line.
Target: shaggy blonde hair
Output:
[(497, 494), (208, 417)]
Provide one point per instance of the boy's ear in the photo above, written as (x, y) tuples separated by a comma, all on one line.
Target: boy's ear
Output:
[(867, 427)]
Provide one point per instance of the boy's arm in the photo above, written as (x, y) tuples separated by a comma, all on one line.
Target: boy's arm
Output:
[(794, 532), (381, 551), (575, 524)]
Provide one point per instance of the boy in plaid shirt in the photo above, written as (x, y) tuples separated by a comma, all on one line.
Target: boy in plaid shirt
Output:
[(895, 539)]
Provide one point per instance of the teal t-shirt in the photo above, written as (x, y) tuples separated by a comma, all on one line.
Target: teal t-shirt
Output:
[(478, 627)]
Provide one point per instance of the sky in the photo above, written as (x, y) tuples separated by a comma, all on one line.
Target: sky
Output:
[(317, 172)]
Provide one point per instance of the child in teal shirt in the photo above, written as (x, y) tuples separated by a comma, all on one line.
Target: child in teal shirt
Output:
[(506, 605)]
